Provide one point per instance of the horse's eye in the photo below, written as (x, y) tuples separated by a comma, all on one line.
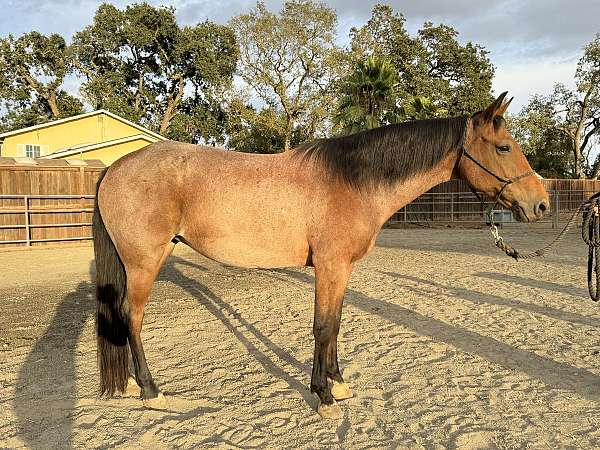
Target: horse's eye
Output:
[(503, 148)]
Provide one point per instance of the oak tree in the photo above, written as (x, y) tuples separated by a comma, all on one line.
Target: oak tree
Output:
[(32, 80)]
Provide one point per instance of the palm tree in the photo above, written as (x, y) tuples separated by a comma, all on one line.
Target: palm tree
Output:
[(416, 108), (369, 97)]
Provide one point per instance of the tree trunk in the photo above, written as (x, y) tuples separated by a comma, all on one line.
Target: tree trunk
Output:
[(172, 105), (52, 102), (166, 119), (578, 160), (287, 142), (596, 171), (579, 142), (579, 169)]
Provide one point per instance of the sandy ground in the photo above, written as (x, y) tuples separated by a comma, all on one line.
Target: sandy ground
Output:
[(446, 343)]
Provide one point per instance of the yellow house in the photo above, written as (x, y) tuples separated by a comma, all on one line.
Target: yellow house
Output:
[(95, 135)]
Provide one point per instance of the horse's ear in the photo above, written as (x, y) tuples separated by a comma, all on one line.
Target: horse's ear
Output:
[(504, 107), (492, 110)]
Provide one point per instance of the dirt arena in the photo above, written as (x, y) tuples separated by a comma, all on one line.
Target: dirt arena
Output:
[(446, 343)]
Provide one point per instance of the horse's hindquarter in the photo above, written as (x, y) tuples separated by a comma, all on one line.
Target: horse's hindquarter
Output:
[(247, 210)]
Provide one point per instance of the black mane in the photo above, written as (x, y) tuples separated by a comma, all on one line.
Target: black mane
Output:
[(387, 154)]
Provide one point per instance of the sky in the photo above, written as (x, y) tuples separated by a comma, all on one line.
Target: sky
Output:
[(532, 43)]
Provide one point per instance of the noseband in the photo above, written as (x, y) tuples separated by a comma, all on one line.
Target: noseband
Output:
[(506, 181)]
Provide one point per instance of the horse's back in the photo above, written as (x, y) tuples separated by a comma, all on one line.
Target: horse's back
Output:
[(241, 209)]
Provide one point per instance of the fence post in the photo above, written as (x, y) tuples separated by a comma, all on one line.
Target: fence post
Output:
[(27, 228), (452, 207), (82, 199), (556, 217), (405, 214)]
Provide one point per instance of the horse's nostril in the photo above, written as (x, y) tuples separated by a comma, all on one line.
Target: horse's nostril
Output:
[(541, 208)]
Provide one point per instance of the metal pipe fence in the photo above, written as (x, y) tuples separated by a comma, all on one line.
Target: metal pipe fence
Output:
[(466, 208)]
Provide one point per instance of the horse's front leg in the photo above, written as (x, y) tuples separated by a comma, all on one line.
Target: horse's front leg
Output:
[(339, 389), (331, 281)]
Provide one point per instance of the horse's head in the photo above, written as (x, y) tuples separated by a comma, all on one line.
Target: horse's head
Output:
[(493, 162)]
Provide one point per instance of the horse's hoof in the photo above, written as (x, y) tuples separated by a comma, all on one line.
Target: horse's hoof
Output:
[(341, 391), (132, 389), (332, 411), (159, 402)]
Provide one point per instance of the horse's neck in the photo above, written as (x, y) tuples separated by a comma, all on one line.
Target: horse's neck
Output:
[(390, 199)]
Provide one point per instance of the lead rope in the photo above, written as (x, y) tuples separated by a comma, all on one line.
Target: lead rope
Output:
[(590, 232), (513, 252)]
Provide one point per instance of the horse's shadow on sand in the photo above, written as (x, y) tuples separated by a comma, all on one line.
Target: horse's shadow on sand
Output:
[(46, 419), (554, 374), (225, 313), (44, 416)]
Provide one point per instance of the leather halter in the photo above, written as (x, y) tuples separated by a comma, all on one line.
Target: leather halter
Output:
[(506, 181)]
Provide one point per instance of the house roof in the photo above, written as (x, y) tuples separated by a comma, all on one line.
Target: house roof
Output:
[(82, 116), (86, 148)]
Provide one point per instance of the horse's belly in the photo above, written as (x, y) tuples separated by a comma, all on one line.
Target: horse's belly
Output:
[(250, 224), (243, 250)]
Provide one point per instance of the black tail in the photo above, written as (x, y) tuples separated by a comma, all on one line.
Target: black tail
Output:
[(111, 316)]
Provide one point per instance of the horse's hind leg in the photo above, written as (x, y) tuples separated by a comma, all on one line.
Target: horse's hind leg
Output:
[(139, 284)]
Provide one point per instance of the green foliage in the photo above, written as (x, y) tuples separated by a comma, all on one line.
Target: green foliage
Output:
[(546, 148), (459, 77), (254, 131), (385, 36), (288, 60), (199, 121), (34, 69), (139, 63), (552, 158), (418, 108), (433, 64), (569, 119), (38, 111), (368, 97)]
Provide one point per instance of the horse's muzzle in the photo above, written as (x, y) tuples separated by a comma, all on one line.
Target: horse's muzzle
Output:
[(530, 212)]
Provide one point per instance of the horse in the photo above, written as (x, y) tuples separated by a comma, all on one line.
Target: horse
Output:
[(321, 204)]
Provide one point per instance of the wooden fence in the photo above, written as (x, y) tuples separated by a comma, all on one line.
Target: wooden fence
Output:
[(46, 201), (51, 201)]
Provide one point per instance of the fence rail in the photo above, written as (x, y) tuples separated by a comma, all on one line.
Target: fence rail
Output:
[(27, 220), (48, 202), (27, 211)]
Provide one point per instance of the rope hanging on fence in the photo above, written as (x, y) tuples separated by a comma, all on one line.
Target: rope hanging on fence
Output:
[(590, 232)]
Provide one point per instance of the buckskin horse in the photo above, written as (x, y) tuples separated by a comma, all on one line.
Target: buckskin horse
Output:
[(321, 204)]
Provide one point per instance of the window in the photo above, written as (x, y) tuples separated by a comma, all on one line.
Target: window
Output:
[(32, 151)]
